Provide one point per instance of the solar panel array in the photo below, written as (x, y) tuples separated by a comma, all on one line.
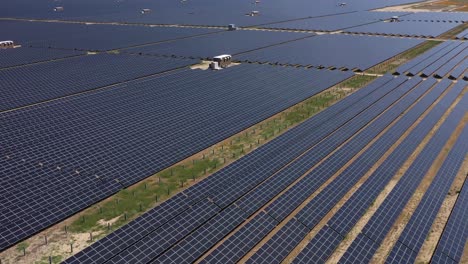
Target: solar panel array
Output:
[(89, 108), (21, 56), (336, 22), (463, 35), (75, 75), (453, 240), (348, 215), (203, 12), (228, 42), (419, 226), (405, 29), (122, 132), (446, 59), (252, 189), (339, 51), (440, 17), (379, 225), (215, 182), (93, 37)]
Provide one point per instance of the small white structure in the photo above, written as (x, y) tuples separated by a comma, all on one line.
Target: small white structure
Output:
[(221, 61), (58, 9), (254, 13), (215, 66), (7, 44), (394, 19), (342, 4), (145, 11), (232, 27)]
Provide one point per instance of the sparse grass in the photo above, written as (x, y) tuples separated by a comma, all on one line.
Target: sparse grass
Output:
[(358, 81), (21, 247), (392, 64), (454, 32), (45, 260)]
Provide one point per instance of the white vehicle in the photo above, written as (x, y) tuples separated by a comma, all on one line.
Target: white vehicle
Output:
[(58, 9)]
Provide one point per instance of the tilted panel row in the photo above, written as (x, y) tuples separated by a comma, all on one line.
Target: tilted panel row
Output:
[(108, 139), (113, 243), (417, 229), (75, 75), (381, 222), (312, 213), (349, 214)]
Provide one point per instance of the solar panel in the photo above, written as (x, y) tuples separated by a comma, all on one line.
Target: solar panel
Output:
[(405, 28), (280, 244), (75, 75), (332, 50), (381, 222), (236, 246), (417, 229), (198, 242), (96, 37), (152, 220), (349, 214), (455, 234)]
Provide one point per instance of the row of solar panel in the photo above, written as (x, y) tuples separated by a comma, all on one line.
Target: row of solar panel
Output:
[(338, 51), (228, 42), (404, 29), (202, 12), (453, 240), (321, 204), (17, 57), (440, 17), (87, 141), (214, 193), (448, 58), (94, 37), (348, 215), (75, 75), (419, 226), (336, 22), (381, 222), (196, 245), (157, 217), (463, 35)]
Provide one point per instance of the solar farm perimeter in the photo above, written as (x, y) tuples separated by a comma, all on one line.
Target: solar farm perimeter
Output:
[(336, 133)]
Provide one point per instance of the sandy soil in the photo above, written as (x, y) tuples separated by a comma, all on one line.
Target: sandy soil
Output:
[(429, 6)]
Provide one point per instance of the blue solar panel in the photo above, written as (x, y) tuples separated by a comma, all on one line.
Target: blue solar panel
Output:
[(91, 36), (202, 12), (417, 229), (455, 234), (294, 196), (348, 215), (21, 56), (320, 205), (229, 42), (381, 222), (320, 248), (439, 17), (198, 242), (333, 50), (75, 75), (336, 22), (161, 239), (280, 244), (405, 28), (236, 246), (134, 119)]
